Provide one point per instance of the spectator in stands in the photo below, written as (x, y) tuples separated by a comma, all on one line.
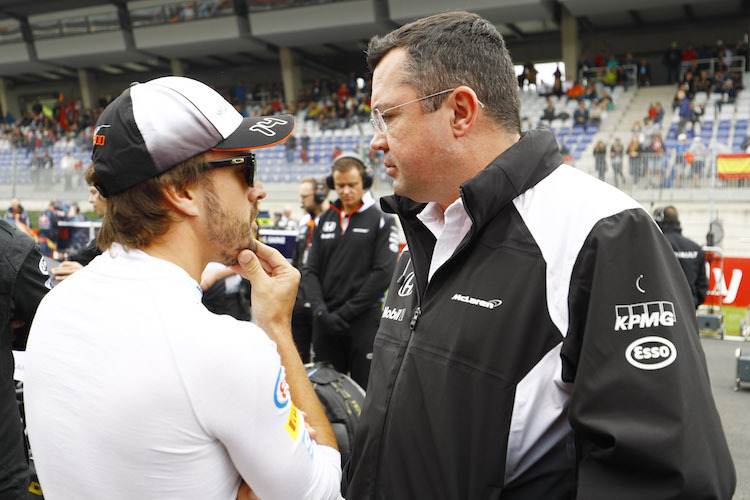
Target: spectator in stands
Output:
[(644, 73), (48, 169), (649, 130), (684, 113), (746, 145), (314, 199), (729, 95), (704, 82), (68, 169), (351, 260), (581, 115), (635, 162), (697, 151), (557, 86), (630, 70), (615, 159), (17, 214), (605, 102), (48, 231), (36, 168), (528, 74), (290, 147), (549, 111), (23, 281), (595, 114), (304, 146), (680, 165), (656, 162), (689, 254), (688, 57), (656, 112), (575, 92), (590, 91), (611, 77), (336, 153), (600, 159)]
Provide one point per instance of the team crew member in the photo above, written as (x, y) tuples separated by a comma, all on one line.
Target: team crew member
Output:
[(83, 256), (314, 198), (23, 282), (688, 253), (540, 340), (135, 389), (352, 256)]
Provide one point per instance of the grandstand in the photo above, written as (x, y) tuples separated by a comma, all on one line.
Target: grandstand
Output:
[(302, 50)]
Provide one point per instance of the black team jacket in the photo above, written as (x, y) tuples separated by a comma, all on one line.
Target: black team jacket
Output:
[(554, 355), (349, 270)]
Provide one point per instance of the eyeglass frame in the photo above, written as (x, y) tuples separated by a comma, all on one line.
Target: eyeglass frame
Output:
[(376, 116), (235, 161)]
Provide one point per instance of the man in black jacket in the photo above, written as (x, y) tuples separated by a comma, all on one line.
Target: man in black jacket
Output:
[(351, 259), (23, 282), (313, 197), (83, 256), (688, 253), (539, 338)]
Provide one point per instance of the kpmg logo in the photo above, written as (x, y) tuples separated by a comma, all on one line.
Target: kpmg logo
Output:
[(266, 126), (487, 304), (644, 315)]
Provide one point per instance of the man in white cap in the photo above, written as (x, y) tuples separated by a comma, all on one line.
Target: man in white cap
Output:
[(136, 390)]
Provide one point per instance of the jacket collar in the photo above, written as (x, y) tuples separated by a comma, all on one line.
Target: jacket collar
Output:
[(516, 170)]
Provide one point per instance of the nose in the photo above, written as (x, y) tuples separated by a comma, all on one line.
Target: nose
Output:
[(258, 192), (379, 141)]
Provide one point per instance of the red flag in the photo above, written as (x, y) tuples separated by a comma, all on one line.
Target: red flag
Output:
[(63, 114)]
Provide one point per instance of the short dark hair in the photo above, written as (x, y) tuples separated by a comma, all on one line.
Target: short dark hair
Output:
[(453, 49), (137, 215), (670, 216), (347, 163)]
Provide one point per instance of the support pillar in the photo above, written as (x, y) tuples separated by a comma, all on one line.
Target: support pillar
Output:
[(570, 43), (89, 89), (178, 67), (290, 75), (8, 102)]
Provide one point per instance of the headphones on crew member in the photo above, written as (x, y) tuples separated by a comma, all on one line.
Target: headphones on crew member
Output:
[(321, 193), (659, 214), (366, 176)]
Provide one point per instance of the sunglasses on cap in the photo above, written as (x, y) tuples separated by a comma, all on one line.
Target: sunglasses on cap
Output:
[(247, 160)]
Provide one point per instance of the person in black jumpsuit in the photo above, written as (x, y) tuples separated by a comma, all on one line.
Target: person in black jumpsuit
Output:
[(23, 282)]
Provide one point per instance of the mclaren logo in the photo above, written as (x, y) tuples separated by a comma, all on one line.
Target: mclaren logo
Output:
[(488, 304), (644, 315)]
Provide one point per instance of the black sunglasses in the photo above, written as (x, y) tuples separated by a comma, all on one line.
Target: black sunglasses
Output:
[(248, 160)]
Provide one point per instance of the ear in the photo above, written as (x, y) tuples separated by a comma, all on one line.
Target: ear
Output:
[(182, 201), (465, 110)]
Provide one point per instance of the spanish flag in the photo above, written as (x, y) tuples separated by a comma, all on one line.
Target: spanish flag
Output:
[(733, 166)]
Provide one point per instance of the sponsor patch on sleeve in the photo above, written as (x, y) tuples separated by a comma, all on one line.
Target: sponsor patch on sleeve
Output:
[(293, 423), (281, 390)]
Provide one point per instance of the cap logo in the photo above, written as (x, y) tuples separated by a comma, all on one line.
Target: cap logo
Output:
[(266, 125), (98, 138)]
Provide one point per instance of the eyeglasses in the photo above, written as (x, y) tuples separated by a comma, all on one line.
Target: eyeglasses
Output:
[(376, 116), (248, 160)]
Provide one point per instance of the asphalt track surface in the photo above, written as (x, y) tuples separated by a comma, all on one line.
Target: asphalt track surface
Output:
[(734, 407)]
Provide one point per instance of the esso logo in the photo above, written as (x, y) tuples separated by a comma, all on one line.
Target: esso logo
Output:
[(651, 353)]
